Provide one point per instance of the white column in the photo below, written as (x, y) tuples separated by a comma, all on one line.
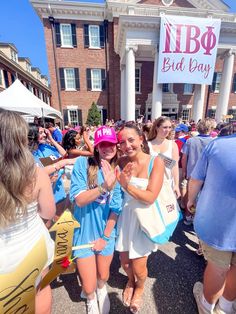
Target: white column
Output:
[(225, 86), (130, 83), (122, 93), (198, 102), (156, 91)]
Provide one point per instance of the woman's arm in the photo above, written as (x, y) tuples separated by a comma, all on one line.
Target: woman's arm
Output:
[(88, 144), (46, 202), (175, 170), (50, 169), (77, 152), (155, 182), (60, 149)]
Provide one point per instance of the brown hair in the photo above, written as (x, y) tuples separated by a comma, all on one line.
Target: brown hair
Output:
[(156, 124), (206, 126), (17, 168)]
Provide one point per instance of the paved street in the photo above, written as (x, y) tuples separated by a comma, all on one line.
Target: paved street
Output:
[(172, 272)]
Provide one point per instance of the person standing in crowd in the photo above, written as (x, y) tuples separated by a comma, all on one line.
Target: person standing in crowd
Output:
[(181, 136), (191, 152), (132, 243), (26, 196), (215, 224), (160, 142), (43, 145), (98, 200), (56, 133)]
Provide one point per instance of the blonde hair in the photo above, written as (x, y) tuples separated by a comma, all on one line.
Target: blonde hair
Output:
[(156, 124), (206, 126), (17, 168)]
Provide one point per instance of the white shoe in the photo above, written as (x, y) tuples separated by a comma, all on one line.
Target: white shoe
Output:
[(103, 300), (218, 310), (92, 306), (197, 292)]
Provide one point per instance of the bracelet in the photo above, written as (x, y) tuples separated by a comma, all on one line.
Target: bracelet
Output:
[(101, 189), (105, 238), (55, 167)]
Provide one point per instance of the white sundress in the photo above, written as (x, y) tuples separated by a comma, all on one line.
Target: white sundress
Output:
[(130, 236)]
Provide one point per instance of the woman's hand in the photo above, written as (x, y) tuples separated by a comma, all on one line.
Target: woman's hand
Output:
[(125, 175), (99, 244), (49, 136), (177, 191), (108, 175)]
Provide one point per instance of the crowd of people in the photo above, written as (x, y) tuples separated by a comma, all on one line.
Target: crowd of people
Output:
[(113, 170)]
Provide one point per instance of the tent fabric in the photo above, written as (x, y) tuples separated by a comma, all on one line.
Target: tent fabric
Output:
[(18, 98)]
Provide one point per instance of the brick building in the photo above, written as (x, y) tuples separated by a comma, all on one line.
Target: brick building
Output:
[(12, 66), (106, 53)]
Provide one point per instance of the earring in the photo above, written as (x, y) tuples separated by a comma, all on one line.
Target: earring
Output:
[(142, 145)]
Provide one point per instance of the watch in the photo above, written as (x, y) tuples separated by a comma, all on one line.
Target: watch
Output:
[(167, 3)]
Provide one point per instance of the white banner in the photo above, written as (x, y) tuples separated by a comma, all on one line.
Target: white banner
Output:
[(187, 49)]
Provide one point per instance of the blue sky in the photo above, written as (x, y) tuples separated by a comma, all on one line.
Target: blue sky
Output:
[(20, 25)]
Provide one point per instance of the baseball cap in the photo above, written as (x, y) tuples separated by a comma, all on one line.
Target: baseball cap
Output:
[(105, 134), (181, 128)]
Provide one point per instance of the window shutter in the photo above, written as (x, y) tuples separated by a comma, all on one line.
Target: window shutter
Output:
[(80, 117), (62, 78), (6, 78), (65, 116), (103, 75), (73, 30), (102, 36), (77, 84), (86, 36), (58, 34), (89, 83), (213, 85), (234, 84)]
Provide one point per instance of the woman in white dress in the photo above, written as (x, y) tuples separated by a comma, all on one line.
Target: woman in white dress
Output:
[(134, 246), (159, 141), (26, 196)]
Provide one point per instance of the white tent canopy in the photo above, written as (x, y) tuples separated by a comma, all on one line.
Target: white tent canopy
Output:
[(18, 98)]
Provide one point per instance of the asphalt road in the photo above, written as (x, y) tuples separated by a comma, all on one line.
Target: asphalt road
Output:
[(172, 272)]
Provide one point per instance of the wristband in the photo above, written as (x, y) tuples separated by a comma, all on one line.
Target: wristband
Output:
[(105, 238), (101, 189)]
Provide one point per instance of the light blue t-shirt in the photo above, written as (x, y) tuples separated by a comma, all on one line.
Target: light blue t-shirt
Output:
[(93, 216), (45, 150), (193, 149), (215, 219)]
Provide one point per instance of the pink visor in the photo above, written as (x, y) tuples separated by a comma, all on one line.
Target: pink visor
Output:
[(105, 134)]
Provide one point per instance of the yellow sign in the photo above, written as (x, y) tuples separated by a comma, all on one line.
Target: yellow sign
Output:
[(64, 228), (17, 289), (228, 116)]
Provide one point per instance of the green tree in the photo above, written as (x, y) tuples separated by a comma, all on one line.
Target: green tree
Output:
[(94, 115)]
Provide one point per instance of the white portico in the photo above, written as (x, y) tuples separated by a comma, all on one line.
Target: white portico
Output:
[(138, 39)]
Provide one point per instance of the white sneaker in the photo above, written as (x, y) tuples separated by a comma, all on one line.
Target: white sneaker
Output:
[(103, 300), (92, 306), (218, 310), (197, 292)]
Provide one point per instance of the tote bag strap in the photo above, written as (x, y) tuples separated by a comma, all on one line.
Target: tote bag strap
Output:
[(150, 166)]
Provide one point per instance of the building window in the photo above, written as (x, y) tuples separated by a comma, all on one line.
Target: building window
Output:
[(28, 67), (96, 79), (69, 78), (233, 113), (211, 113), (188, 89), (165, 88), (94, 36), (73, 116), (66, 35), (138, 80), (30, 88), (1, 78), (216, 82), (185, 114), (14, 56), (40, 95), (234, 84)]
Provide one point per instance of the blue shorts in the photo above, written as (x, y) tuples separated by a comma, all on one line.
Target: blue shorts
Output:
[(108, 250)]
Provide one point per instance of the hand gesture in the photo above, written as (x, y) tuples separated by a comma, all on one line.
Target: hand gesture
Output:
[(49, 135), (108, 175), (125, 175), (191, 206), (177, 191), (99, 244)]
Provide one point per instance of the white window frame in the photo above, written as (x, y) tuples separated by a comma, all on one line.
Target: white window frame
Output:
[(168, 86), (14, 55), (185, 114), (218, 81), (98, 37), (213, 113), (63, 35), (76, 121), (2, 81), (138, 67), (93, 88), (28, 67), (31, 88), (188, 89), (66, 70)]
